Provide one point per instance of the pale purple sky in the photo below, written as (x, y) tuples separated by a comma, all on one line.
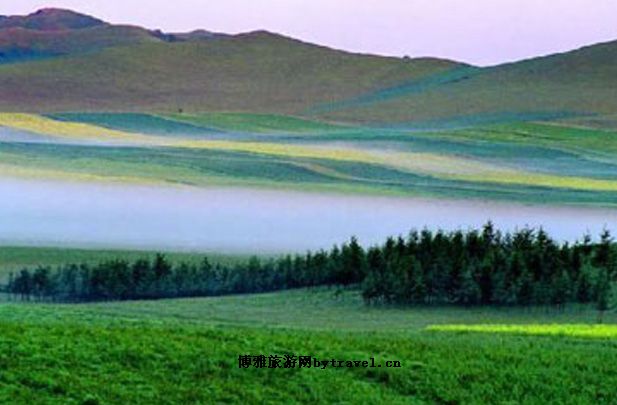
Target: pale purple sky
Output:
[(483, 32)]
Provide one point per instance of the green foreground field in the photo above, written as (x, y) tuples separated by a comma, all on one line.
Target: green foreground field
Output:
[(186, 351)]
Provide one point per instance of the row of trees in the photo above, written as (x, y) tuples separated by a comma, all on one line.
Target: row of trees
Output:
[(462, 268), (488, 268), (159, 278)]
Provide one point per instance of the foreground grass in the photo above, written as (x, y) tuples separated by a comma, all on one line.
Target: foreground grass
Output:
[(185, 351)]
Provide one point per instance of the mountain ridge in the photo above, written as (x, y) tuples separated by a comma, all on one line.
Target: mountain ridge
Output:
[(578, 81), (105, 67), (51, 19)]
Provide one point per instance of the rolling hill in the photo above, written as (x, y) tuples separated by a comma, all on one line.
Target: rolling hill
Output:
[(107, 67), (71, 62), (580, 82), (53, 32), (50, 19)]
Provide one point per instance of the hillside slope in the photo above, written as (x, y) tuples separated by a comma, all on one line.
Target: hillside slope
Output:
[(50, 19), (581, 82), (52, 32), (71, 62), (21, 44), (257, 71)]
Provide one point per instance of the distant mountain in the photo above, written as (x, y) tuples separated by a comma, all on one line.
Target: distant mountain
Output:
[(58, 60), (583, 81), (19, 44), (107, 67), (55, 32), (196, 35), (50, 19)]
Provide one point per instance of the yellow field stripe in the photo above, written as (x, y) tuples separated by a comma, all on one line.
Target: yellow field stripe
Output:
[(74, 130), (576, 330), (28, 172)]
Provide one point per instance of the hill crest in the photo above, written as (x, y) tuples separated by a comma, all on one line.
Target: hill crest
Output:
[(51, 19)]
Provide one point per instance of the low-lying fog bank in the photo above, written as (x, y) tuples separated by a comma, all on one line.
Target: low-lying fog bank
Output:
[(247, 220)]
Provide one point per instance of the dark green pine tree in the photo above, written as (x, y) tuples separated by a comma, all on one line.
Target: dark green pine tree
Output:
[(143, 278), (525, 292), (470, 292), (585, 287), (561, 289), (603, 293), (605, 255)]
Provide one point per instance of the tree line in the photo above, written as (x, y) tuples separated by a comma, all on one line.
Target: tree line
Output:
[(489, 268), (478, 267)]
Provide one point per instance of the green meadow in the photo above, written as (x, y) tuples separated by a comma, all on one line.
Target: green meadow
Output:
[(186, 351), (549, 162)]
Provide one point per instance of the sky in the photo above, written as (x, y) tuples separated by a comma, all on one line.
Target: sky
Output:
[(480, 32)]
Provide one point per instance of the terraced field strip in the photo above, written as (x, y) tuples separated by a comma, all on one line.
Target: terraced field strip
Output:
[(594, 122), (591, 143), (72, 130), (258, 123), (439, 166), (136, 123), (47, 173)]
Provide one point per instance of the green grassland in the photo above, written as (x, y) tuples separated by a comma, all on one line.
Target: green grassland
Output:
[(547, 162), (136, 123), (202, 124), (186, 351), (596, 144), (258, 123), (202, 168), (606, 122)]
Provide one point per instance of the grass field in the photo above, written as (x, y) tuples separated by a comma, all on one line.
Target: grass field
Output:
[(529, 162), (186, 351), (257, 123)]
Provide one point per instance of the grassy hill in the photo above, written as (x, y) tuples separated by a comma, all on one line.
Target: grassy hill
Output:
[(74, 62), (256, 72), (53, 32), (71, 62), (21, 44), (580, 82), (50, 19)]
